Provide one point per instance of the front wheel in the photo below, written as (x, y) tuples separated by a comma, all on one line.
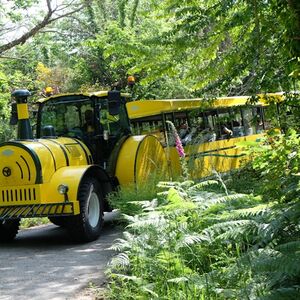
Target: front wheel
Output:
[(59, 221), (86, 226), (9, 229)]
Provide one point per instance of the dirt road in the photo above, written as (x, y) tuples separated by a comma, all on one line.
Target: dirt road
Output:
[(42, 263)]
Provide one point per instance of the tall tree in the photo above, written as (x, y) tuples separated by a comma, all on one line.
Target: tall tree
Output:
[(229, 47), (20, 20)]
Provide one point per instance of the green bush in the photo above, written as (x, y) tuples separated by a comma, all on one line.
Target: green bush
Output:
[(129, 199), (30, 222), (197, 242)]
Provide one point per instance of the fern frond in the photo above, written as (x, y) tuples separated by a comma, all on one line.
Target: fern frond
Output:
[(203, 196), (120, 245), (130, 219), (261, 210), (121, 260), (281, 266), (146, 204), (288, 293), (137, 280), (290, 247), (187, 184), (282, 218), (190, 239), (178, 208), (178, 279), (249, 231), (229, 227), (164, 193), (154, 219), (168, 184), (224, 199), (202, 185), (149, 289), (129, 236)]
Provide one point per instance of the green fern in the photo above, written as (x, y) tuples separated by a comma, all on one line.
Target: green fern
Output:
[(153, 219), (121, 260), (290, 293), (194, 241), (203, 185), (289, 247), (261, 211)]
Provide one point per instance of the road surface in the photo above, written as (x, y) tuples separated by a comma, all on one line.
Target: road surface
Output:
[(42, 263)]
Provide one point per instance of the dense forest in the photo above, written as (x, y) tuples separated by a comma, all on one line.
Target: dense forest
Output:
[(174, 48), (234, 237)]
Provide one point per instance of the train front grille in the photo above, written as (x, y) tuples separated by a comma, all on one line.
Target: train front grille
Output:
[(18, 195)]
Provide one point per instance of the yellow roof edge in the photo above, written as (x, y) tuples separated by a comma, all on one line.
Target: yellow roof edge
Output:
[(87, 94), (143, 108)]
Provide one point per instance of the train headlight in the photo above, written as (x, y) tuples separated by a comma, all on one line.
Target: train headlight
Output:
[(63, 189)]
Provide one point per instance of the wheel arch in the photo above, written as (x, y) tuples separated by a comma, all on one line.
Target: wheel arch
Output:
[(104, 180)]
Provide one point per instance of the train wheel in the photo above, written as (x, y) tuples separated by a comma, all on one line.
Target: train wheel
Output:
[(87, 226), (59, 221), (9, 229)]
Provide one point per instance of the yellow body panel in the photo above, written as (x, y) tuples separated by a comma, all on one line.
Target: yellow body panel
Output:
[(140, 157), (126, 160), (69, 176), (33, 170), (150, 161), (22, 110), (221, 156), (139, 109), (19, 164), (26, 158), (47, 193)]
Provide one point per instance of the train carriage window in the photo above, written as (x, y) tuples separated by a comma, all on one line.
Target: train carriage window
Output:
[(237, 122), (224, 124), (149, 125), (270, 116), (191, 127), (249, 127), (258, 119)]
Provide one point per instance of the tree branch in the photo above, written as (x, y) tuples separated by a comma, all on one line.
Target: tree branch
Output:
[(48, 19)]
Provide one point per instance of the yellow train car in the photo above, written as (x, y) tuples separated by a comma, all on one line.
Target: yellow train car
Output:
[(209, 130), (86, 144), (81, 151)]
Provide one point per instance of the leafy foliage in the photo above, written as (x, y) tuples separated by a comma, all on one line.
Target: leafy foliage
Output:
[(176, 49), (201, 241), (239, 39), (275, 166)]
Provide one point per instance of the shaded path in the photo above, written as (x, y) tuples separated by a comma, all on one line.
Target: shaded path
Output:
[(42, 263)]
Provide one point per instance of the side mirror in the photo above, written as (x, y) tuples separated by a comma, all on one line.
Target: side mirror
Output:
[(114, 102)]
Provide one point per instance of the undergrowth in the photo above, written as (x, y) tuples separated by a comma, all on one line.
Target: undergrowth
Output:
[(30, 222), (194, 242), (204, 241)]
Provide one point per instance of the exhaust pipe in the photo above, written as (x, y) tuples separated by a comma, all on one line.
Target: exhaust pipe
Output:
[(24, 128)]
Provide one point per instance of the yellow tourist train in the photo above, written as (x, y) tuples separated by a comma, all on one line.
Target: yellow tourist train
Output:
[(87, 144), (210, 130)]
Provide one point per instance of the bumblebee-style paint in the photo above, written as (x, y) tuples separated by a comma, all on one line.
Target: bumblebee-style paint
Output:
[(42, 175), (140, 158), (37, 168)]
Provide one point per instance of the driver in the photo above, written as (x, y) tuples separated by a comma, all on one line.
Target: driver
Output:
[(88, 126)]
